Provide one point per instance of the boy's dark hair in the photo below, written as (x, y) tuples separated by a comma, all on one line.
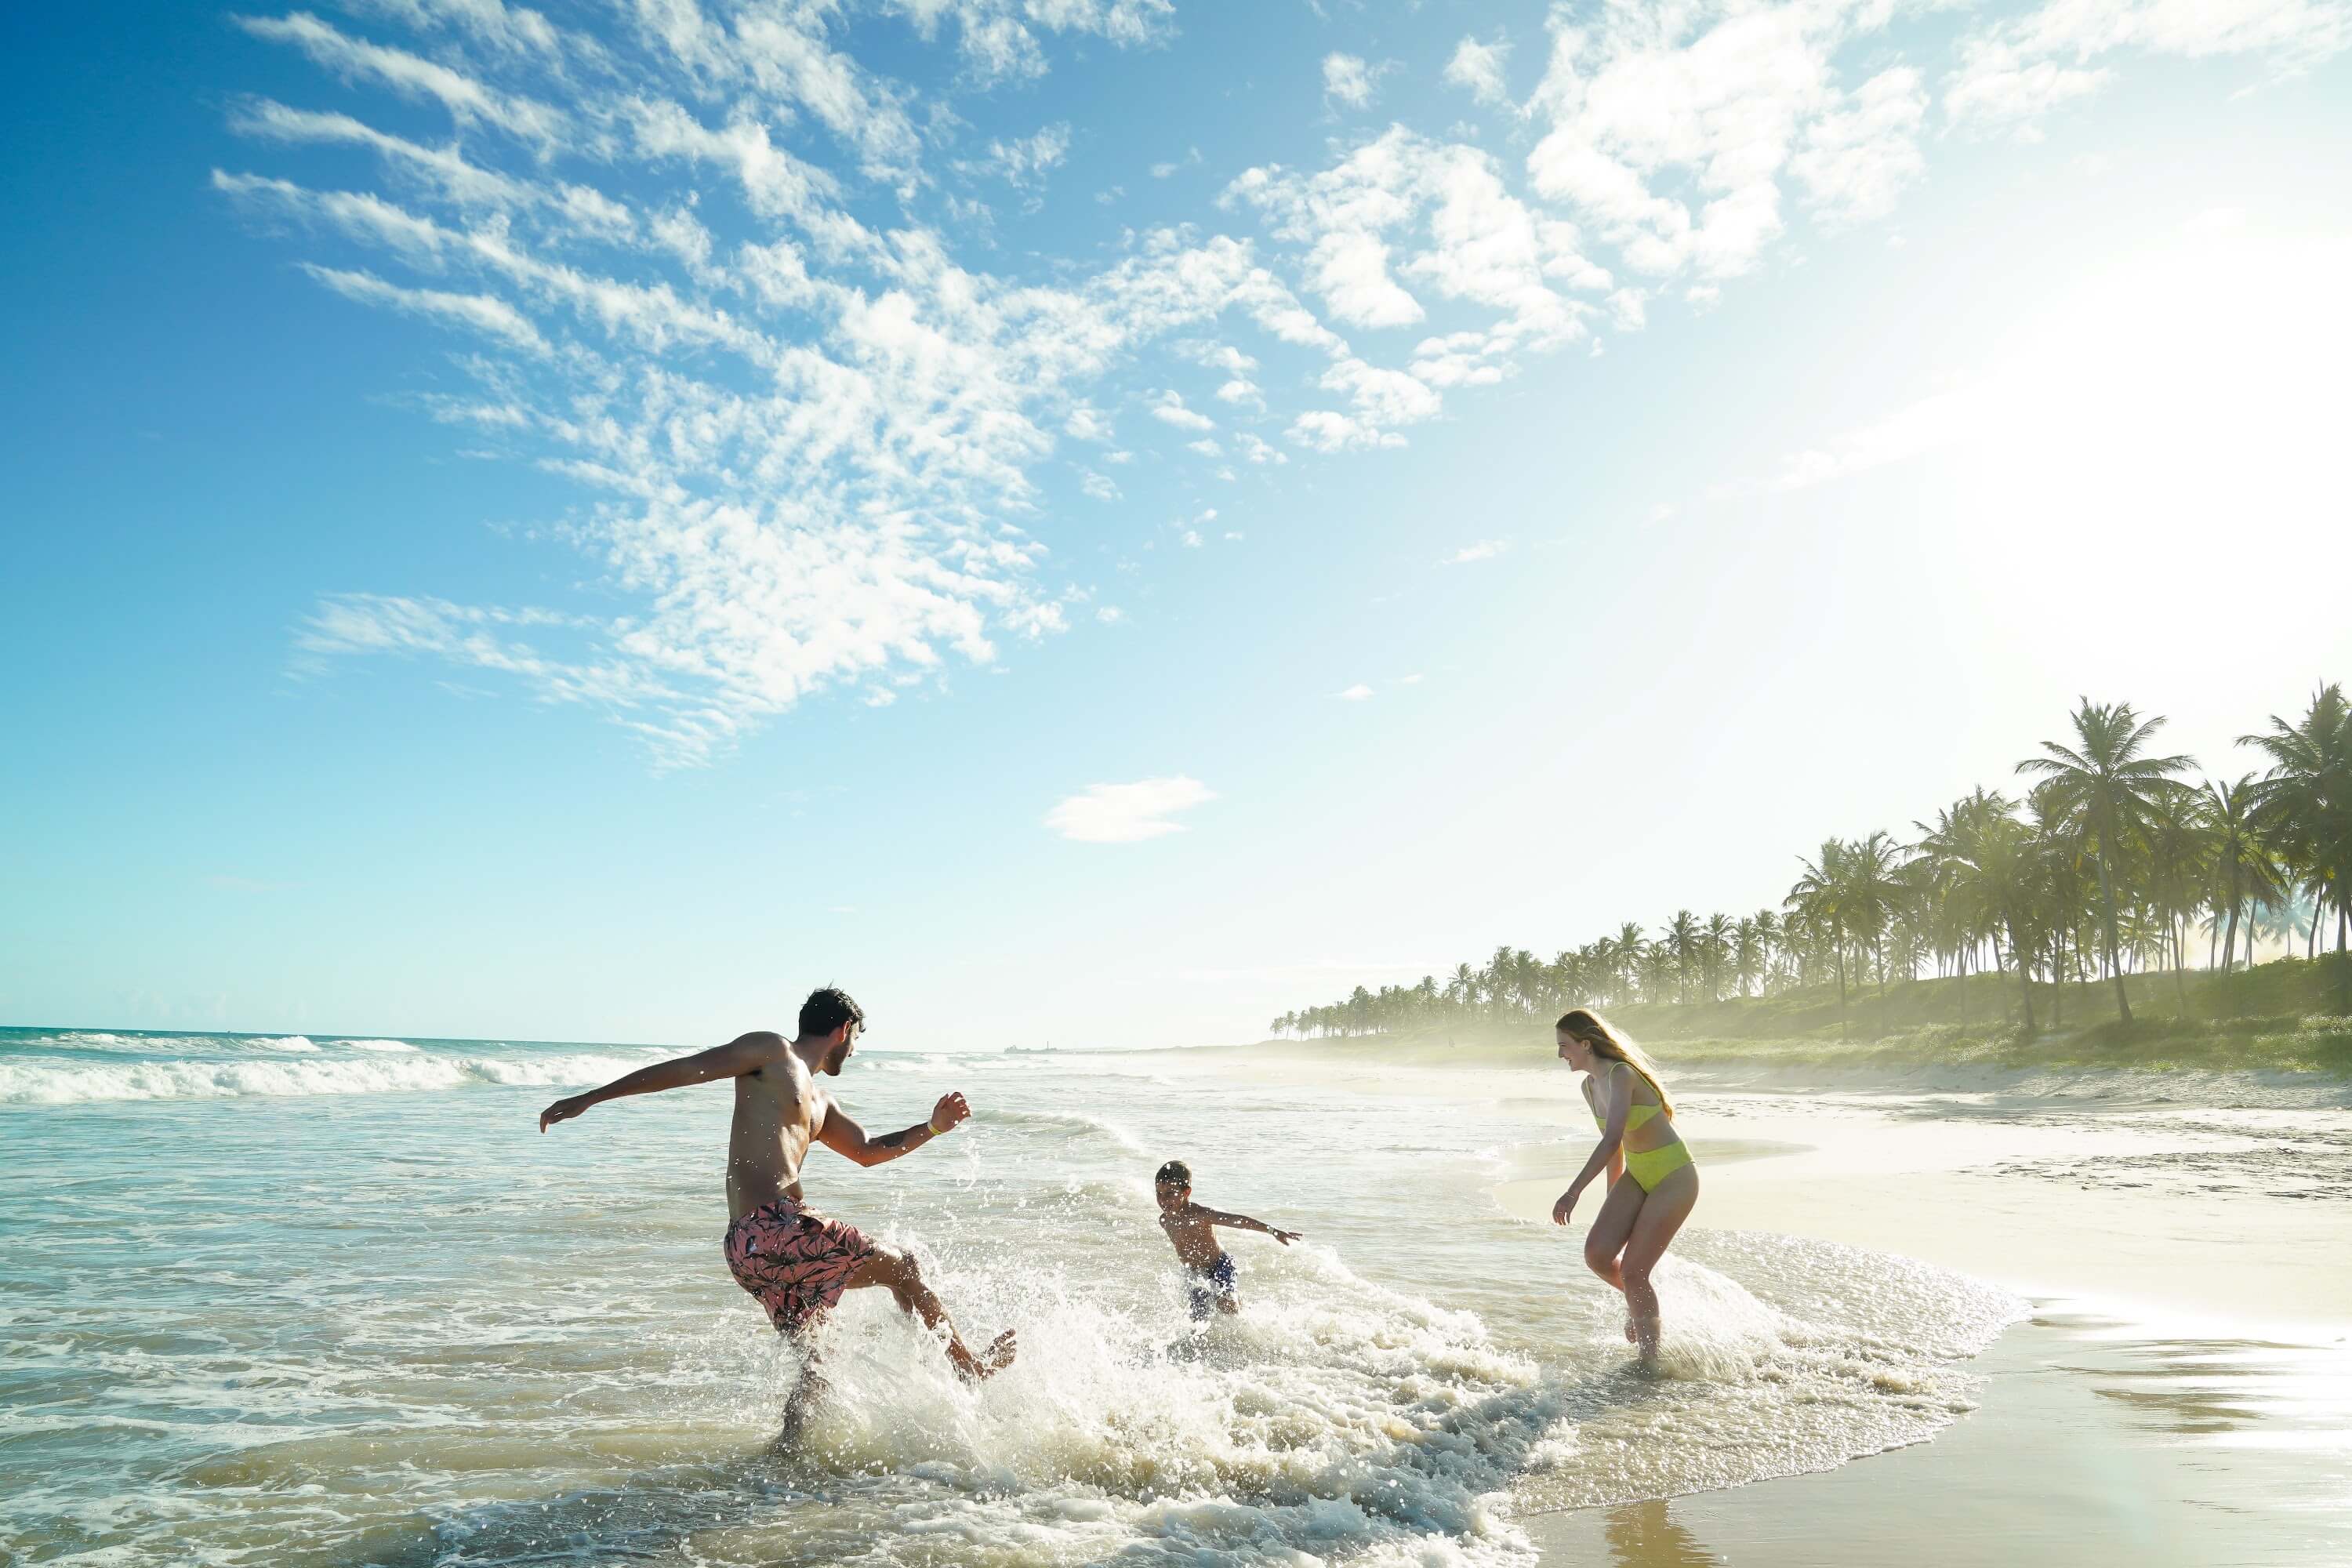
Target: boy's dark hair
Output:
[(1175, 1173), (827, 1009)]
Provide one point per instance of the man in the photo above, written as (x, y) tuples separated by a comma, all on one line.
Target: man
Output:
[(795, 1262)]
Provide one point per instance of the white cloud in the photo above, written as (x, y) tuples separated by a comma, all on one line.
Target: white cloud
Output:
[(1479, 68), (1356, 693), (1485, 550), (708, 268), (996, 36), (1349, 81), (483, 312), (1126, 813), (1440, 215), (1024, 162), (1855, 161), (1258, 451), (467, 101), (1941, 420), (1327, 430), (1110, 614), (1169, 409), (1671, 133), (2015, 71)]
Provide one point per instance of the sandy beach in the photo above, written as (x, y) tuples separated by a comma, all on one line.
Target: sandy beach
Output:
[(2182, 1392)]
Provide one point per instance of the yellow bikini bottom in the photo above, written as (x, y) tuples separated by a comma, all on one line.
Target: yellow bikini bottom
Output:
[(1648, 1167)]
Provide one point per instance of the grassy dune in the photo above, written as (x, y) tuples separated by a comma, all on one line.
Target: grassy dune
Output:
[(2274, 1018)]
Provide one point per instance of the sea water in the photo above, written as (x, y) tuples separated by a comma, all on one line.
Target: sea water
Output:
[(288, 1299)]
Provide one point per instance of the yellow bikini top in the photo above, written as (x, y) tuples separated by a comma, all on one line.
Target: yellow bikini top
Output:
[(1636, 1115)]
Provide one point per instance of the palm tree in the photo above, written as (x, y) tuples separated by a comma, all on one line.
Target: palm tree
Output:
[(1681, 943), (1659, 972), (1630, 944), (1714, 953), (2304, 804), (1817, 895), (1747, 955), (1950, 876), (1770, 944), (2243, 866), (2109, 788), (1874, 893), (2179, 849)]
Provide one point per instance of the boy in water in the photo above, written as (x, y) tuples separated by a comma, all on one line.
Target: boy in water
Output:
[(1190, 1227)]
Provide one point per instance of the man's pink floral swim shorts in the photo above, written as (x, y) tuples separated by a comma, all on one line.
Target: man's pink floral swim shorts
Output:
[(797, 1263)]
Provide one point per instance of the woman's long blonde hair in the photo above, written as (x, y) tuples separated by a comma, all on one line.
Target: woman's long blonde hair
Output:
[(1603, 1039)]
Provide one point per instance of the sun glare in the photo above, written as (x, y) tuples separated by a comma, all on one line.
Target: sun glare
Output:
[(2201, 385)]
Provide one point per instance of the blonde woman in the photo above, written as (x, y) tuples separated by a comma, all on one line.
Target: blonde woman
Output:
[(1636, 1119)]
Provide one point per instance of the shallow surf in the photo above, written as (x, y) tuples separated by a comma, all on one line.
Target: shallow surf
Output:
[(366, 1314)]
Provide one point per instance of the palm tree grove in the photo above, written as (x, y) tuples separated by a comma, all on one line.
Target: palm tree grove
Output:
[(2107, 869)]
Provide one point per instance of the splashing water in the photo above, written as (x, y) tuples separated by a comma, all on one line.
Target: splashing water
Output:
[(375, 1317)]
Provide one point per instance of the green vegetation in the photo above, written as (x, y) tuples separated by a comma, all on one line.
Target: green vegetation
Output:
[(2001, 920), (2267, 1018)]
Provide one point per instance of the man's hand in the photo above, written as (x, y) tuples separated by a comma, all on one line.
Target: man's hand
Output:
[(1283, 1236), (1564, 1207), (949, 1113), (564, 1110)]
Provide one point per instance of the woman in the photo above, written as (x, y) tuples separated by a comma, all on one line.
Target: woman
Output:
[(1637, 1139)]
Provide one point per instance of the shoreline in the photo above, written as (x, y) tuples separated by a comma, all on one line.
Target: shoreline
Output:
[(2091, 1443), (2180, 1392)]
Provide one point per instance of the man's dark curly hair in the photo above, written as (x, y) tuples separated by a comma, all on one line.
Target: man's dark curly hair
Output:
[(827, 1009)]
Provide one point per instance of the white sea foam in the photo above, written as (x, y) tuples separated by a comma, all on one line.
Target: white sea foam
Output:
[(381, 1047), (33, 1083)]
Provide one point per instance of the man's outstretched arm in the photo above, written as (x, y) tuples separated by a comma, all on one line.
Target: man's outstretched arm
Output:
[(849, 1140), (745, 1053), (1244, 1221)]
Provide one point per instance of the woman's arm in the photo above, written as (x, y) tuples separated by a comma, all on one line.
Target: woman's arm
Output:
[(1609, 1154), (745, 1053)]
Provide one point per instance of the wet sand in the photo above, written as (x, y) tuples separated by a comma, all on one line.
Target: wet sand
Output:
[(2182, 1394)]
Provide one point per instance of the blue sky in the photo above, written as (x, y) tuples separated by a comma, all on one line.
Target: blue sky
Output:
[(1099, 521)]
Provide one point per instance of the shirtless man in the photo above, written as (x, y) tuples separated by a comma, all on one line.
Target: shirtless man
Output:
[(795, 1262)]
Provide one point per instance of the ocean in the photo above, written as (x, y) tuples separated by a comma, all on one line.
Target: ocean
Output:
[(294, 1301)]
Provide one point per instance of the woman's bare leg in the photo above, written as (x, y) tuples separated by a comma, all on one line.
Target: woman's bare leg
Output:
[(1610, 1228), (1662, 1215)]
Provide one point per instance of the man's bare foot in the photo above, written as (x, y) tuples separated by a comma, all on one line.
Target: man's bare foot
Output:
[(988, 1363)]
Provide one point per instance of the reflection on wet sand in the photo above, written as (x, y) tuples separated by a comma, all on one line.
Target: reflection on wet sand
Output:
[(2097, 1440), (1645, 1535)]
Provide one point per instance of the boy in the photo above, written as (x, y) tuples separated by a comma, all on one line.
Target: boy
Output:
[(1190, 1227)]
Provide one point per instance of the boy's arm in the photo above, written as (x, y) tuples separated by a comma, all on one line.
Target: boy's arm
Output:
[(1244, 1221), (745, 1053), (845, 1138)]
